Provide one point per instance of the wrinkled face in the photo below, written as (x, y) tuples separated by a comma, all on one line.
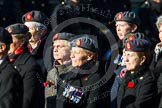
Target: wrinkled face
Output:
[(160, 33), (78, 57), (61, 50), (123, 28), (132, 60), (34, 32)]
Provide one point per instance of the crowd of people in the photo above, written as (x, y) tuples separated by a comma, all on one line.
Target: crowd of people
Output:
[(68, 60)]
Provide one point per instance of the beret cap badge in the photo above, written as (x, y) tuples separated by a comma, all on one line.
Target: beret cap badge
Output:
[(29, 16), (9, 30), (78, 42), (120, 16), (128, 46), (56, 36), (131, 38)]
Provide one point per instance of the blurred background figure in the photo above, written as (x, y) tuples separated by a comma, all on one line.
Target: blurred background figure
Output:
[(156, 62), (11, 87), (12, 10), (148, 12), (26, 65)]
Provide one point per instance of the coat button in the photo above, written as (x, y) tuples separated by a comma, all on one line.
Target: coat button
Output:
[(4, 19), (15, 67), (42, 4)]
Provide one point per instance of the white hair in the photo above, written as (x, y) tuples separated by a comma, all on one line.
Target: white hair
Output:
[(159, 21), (37, 24)]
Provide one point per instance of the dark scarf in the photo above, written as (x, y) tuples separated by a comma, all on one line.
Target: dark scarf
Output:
[(16, 53), (138, 73)]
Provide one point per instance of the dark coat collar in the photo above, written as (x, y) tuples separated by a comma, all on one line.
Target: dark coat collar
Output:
[(138, 73), (4, 64), (89, 68), (23, 57)]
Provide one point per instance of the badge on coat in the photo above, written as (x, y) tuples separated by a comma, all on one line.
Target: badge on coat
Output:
[(72, 93)]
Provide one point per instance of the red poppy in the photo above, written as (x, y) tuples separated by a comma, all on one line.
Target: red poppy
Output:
[(29, 16), (131, 84), (48, 84)]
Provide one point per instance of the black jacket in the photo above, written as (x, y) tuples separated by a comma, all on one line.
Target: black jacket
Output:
[(26, 65), (137, 90), (88, 80), (11, 87), (38, 54)]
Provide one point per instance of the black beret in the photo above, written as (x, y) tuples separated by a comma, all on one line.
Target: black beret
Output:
[(63, 36), (84, 42), (138, 45), (5, 37), (132, 36), (35, 16), (128, 16), (17, 29)]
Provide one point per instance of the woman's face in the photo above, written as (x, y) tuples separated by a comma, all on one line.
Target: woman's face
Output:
[(35, 34), (123, 28), (78, 57), (132, 60)]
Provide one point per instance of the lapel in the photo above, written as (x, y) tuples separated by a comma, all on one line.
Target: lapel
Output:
[(3, 65), (22, 58), (121, 92)]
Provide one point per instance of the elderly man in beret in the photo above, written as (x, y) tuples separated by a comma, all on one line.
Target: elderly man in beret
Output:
[(138, 89), (26, 65), (36, 22), (61, 65), (11, 86)]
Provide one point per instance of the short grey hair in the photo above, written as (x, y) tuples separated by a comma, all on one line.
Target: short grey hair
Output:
[(159, 21), (37, 24)]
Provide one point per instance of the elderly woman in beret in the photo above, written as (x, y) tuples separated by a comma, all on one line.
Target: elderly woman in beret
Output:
[(36, 22), (138, 89), (11, 86), (79, 88), (26, 65)]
